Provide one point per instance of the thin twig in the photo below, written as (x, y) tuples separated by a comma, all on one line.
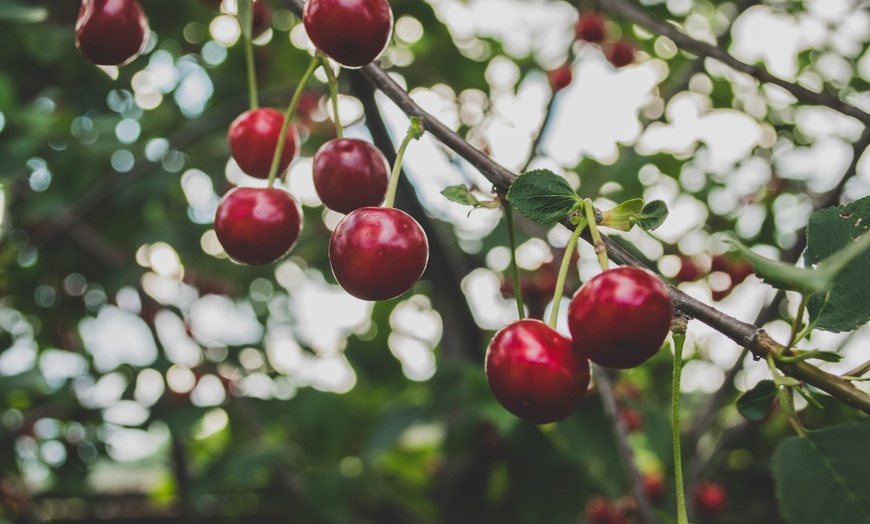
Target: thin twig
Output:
[(760, 73)]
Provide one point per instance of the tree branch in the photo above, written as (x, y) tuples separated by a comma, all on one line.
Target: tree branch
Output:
[(759, 72)]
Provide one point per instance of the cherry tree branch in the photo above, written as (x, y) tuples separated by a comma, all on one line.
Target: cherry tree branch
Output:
[(635, 14)]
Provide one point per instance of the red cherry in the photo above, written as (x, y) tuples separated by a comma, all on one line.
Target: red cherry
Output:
[(709, 499), (253, 137), (632, 419), (111, 32), (351, 32), (689, 271), (599, 510), (261, 16), (378, 253), (590, 27), (654, 487), (349, 173), (534, 372), (621, 317), (620, 53), (560, 77), (258, 225)]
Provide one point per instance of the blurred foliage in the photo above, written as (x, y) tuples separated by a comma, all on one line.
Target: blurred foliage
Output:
[(81, 209)]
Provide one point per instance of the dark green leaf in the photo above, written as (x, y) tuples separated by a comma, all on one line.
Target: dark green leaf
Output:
[(543, 196), (845, 306), (624, 216), (822, 477), (755, 404), (800, 356), (246, 16), (653, 215)]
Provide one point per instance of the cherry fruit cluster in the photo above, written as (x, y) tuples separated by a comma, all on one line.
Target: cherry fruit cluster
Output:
[(618, 319)]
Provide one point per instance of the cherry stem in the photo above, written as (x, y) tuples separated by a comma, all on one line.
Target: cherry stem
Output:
[(414, 132), (679, 338), (279, 148), (563, 271), (252, 77), (597, 242), (333, 92), (512, 240), (796, 334)]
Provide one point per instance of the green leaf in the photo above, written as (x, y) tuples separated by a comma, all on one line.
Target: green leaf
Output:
[(845, 306), (822, 477), (17, 12), (461, 195), (246, 16), (755, 404), (543, 196), (781, 275), (624, 216), (653, 215), (800, 356)]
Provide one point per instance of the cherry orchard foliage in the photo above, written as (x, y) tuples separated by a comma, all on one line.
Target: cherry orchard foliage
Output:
[(85, 237)]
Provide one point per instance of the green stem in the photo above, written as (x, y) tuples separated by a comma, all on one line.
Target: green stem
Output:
[(333, 92), (679, 340), (288, 116), (414, 132), (597, 242), (252, 77), (796, 323), (563, 271), (512, 240)]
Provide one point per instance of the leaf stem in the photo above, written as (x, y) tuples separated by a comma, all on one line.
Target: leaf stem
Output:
[(414, 132), (333, 92), (515, 271), (679, 339), (796, 324), (597, 242), (288, 115), (563, 271)]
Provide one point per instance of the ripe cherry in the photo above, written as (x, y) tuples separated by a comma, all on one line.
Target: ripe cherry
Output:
[(620, 53), (349, 174), (351, 32), (258, 225), (111, 32), (560, 77), (261, 16), (709, 499), (590, 27), (253, 137), (378, 253), (654, 487), (620, 318), (632, 419), (600, 510), (535, 372), (689, 271)]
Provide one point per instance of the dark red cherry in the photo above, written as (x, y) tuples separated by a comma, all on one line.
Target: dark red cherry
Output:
[(253, 137), (261, 18), (111, 32), (351, 32), (620, 318), (378, 253), (560, 77), (654, 487), (349, 174), (590, 27), (535, 372), (258, 225), (709, 499), (620, 53)]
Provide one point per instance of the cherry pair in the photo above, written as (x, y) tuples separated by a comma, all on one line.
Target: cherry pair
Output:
[(618, 319)]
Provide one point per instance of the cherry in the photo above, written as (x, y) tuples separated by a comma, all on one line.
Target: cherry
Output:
[(111, 32), (599, 510), (689, 271), (620, 318), (378, 253), (535, 372), (560, 77), (709, 499), (260, 18), (632, 419), (654, 487), (258, 225), (590, 27), (253, 137), (620, 53), (351, 32), (349, 174)]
